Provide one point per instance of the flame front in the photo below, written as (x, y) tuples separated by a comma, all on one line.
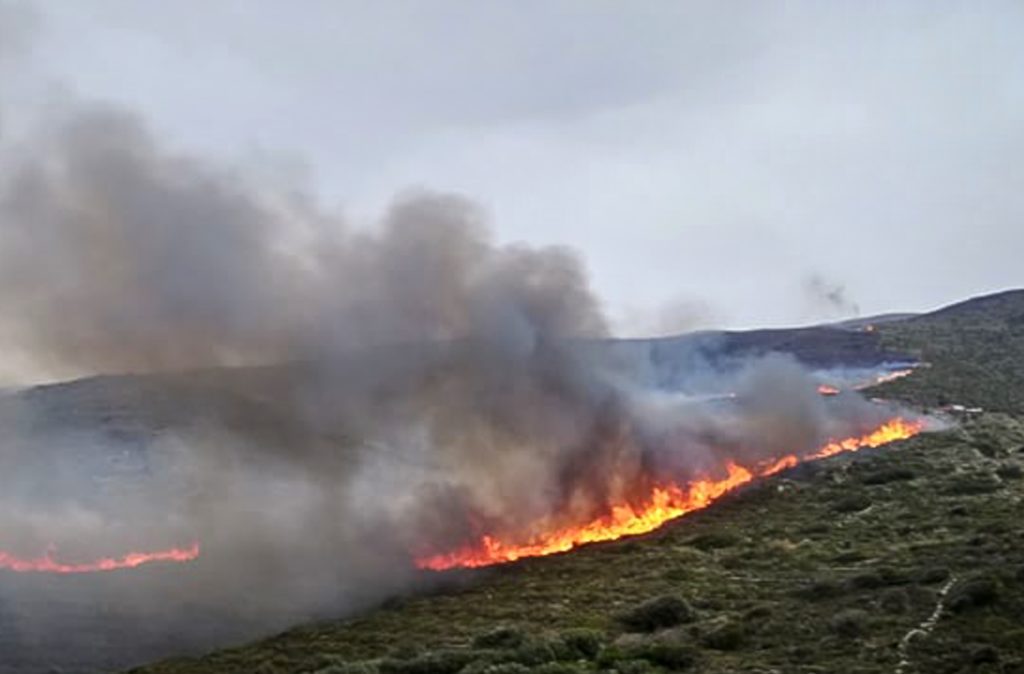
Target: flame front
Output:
[(47, 563), (665, 503)]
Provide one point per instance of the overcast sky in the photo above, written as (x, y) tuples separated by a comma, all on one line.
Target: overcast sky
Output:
[(706, 159)]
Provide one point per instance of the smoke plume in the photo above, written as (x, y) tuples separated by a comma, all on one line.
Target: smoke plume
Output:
[(317, 402), (829, 297)]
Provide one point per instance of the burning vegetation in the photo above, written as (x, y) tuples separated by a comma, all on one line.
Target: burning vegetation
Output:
[(664, 503), (48, 563)]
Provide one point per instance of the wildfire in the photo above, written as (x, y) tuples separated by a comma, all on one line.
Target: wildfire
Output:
[(827, 390), (47, 564), (665, 503)]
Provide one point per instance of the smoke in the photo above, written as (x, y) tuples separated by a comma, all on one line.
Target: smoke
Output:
[(828, 296), (678, 316), (313, 401)]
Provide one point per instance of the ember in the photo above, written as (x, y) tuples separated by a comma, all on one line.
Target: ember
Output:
[(665, 503)]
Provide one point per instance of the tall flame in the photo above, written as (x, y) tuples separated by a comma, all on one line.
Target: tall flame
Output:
[(47, 564), (665, 503)]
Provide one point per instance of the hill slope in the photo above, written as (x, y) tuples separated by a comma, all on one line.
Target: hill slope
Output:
[(976, 349), (827, 567), (912, 553)]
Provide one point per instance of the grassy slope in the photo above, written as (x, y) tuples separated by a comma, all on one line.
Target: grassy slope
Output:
[(824, 569)]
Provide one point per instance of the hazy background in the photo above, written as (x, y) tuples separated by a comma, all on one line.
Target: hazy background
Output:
[(726, 164)]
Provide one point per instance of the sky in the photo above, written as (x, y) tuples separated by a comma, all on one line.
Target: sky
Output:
[(716, 164)]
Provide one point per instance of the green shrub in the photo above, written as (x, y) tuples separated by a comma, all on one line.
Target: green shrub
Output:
[(757, 613), (973, 485), (852, 503), (665, 611), (1010, 471), (350, 668), (894, 600), (867, 580), (971, 593), (501, 637), (581, 643), (557, 668), (670, 655), (849, 623), (634, 667), (727, 636), (714, 540), (820, 589), (448, 661), (534, 652), (887, 475), (935, 574), (496, 668)]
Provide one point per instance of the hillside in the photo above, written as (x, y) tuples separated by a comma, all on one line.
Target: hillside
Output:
[(823, 569), (909, 558), (976, 352)]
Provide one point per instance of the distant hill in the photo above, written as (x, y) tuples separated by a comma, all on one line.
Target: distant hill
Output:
[(976, 352)]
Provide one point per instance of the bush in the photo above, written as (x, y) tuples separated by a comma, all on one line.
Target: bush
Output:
[(853, 503), (581, 644), (666, 654), (895, 600), (725, 637), (501, 637), (973, 485), (433, 662), (714, 540), (557, 668), (972, 593), (634, 667), (887, 475), (665, 611), (1010, 471), (758, 613), (349, 668), (868, 580), (820, 589), (534, 652), (849, 623), (485, 667)]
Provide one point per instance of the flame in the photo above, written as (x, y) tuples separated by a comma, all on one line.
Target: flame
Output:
[(827, 390), (891, 376), (47, 563), (665, 503)]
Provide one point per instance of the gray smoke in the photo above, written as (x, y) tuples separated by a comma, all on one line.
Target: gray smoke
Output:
[(829, 297), (318, 403)]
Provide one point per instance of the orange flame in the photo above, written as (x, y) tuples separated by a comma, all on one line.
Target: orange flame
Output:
[(827, 390), (891, 376), (665, 503), (47, 564)]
